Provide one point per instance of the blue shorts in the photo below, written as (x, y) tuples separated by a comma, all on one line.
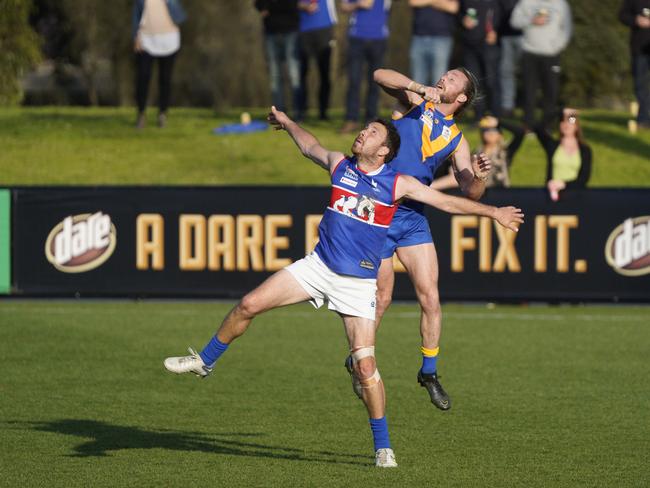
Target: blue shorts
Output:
[(408, 228)]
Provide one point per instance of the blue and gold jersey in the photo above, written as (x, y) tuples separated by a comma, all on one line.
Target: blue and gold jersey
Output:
[(428, 138)]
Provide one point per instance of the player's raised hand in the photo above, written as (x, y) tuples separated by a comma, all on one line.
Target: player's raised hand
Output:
[(510, 217), (278, 119), (481, 165), (431, 94)]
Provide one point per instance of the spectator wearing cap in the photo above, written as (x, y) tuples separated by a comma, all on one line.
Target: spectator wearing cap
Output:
[(500, 153)]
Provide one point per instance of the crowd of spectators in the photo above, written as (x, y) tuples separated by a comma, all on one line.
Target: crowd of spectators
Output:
[(500, 41)]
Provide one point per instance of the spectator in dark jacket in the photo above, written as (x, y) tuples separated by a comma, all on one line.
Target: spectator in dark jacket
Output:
[(636, 15), (569, 159), (281, 21), (480, 21)]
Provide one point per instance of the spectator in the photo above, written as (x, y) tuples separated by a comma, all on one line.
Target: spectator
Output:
[(546, 26), (156, 36), (367, 36), (315, 41), (500, 153), (569, 159), (636, 15), (480, 20), (280, 18), (434, 23), (510, 57)]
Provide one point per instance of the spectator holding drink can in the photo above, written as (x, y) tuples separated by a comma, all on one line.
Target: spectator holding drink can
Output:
[(480, 21), (547, 27)]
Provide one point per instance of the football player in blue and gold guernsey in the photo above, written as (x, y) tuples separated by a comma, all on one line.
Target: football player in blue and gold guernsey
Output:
[(424, 118), (342, 270)]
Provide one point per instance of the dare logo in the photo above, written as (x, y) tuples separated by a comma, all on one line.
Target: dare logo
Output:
[(628, 247), (81, 242)]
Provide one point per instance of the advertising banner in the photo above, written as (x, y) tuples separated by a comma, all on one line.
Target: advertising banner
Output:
[(223, 241), (5, 241)]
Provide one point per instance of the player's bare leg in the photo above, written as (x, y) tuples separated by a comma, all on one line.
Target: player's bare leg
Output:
[(385, 283), (421, 262), (361, 339), (278, 290)]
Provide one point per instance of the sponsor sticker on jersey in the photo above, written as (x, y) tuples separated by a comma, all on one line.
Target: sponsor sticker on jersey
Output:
[(427, 118), (366, 264), (446, 133), (350, 174), (348, 181), (628, 247)]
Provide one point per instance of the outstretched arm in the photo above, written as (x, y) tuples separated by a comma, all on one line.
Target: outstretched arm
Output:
[(407, 186), (305, 140)]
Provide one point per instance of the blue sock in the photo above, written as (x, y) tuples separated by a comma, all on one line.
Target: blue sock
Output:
[(379, 429), (429, 360), (212, 351)]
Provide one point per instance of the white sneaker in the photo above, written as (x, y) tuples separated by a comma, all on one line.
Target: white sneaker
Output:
[(385, 458), (188, 364)]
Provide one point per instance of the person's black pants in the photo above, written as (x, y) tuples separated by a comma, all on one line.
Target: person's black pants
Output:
[(144, 64), (371, 53), (316, 44), (544, 70), (483, 61)]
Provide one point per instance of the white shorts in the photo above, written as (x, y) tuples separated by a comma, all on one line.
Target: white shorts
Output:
[(348, 295)]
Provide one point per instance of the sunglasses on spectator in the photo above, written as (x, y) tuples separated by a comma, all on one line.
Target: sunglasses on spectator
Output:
[(571, 118)]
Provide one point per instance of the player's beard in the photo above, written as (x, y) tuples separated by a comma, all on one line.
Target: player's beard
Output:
[(448, 98)]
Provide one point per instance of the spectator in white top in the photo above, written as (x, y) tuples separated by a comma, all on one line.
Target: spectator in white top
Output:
[(156, 36)]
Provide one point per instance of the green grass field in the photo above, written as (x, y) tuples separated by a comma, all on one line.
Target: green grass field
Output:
[(56, 145), (541, 397)]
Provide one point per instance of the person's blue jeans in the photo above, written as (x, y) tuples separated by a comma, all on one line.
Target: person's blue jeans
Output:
[(283, 48), (430, 58), (641, 72), (510, 57), (370, 51)]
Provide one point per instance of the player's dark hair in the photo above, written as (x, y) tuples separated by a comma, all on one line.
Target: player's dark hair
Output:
[(471, 90), (392, 140)]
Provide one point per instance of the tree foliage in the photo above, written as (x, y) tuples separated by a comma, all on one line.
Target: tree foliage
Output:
[(19, 48)]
